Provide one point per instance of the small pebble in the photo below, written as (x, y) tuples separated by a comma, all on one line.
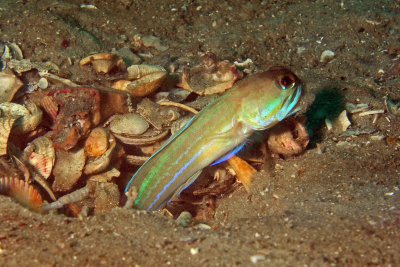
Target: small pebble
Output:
[(203, 226), (184, 219), (257, 258), (326, 56), (194, 251)]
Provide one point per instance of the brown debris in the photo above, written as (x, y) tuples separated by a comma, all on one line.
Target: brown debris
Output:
[(210, 77)]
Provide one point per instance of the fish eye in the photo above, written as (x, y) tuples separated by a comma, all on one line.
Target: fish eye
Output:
[(286, 82)]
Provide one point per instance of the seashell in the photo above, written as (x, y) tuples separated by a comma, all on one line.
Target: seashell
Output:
[(149, 138), (25, 65), (75, 196), (343, 121), (136, 160), (210, 77), (352, 108), (43, 83), (128, 56), (178, 95), (129, 124), (22, 192), (105, 176), (139, 71), (29, 122), (41, 155), (154, 113), (50, 106), (13, 110), (9, 85), (5, 129), (43, 183), (68, 169), (180, 123), (16, 51), (326, 56), (99, 164), (147, 78), (288, 138), (97, 142), (7, 168), (57, 80), (104, 62)]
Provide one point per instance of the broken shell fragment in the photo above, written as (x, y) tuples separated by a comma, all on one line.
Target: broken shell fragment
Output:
[(68, 169), (210, 77), (326, 56), (5, 129), (104, 62), (128, 124), (97, 142), (142, 80), (41, 155), (343, 121), (105, 176), (157, 115), (9, 85), (288, 138)]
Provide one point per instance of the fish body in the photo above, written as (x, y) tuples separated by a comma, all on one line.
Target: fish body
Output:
[(255, 103)]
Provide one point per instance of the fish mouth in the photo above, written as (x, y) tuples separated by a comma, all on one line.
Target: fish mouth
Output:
[(289, 103)]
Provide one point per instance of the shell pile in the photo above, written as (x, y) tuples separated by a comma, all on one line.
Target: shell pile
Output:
[(74, 143)]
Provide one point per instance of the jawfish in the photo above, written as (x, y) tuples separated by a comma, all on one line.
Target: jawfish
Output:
[(215, 134)]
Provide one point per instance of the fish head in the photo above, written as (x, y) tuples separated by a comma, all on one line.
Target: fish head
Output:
[(276, 93)]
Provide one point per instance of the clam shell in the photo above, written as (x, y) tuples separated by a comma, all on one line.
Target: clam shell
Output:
[(5, 129), (41, 155), (147, 84), (129, 124), (24, 193), (97, 142), (151, 137), (49, 105), (147, 78), (68, 169), (99, 164), (9, 85), (30, 122), (104, 62)]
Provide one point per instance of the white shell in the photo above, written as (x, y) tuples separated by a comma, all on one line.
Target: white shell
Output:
[(43, 83), (326, 56), (344, 121)]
